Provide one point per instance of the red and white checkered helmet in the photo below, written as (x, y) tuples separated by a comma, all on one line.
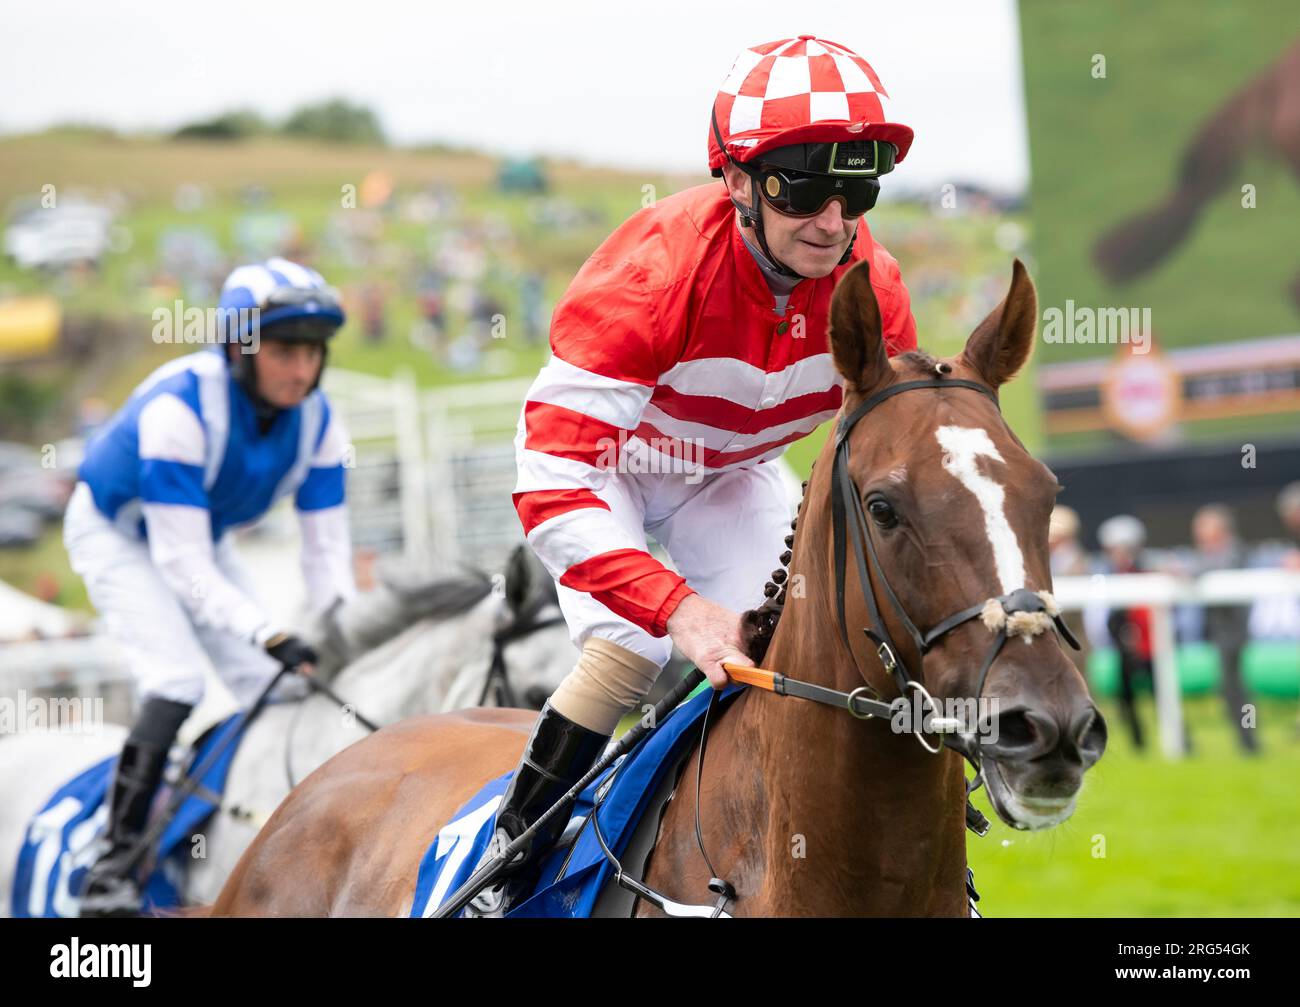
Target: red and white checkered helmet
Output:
[(800, 90)]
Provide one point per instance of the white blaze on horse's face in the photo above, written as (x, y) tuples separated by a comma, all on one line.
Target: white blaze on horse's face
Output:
[(961, 447)]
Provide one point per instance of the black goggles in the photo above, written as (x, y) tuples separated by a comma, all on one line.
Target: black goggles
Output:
[(800, 179), (797, 194), (325, 298), (304, 329)]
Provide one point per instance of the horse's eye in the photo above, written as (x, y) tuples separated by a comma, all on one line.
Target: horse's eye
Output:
[(881, 512)]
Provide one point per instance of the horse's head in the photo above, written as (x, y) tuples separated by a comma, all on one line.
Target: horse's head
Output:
[(957, 511), (537, 660)]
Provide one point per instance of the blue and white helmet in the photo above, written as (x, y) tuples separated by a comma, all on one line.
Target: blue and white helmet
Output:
[(280, 291)]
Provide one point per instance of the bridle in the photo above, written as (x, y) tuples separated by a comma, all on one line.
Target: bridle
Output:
[(844, 496), (1022, 612), (525, 622)]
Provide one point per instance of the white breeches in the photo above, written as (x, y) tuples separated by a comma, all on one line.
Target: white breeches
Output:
[(724, 534), (168, 654)]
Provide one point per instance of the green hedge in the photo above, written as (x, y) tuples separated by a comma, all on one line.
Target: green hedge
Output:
[(1271, 668)]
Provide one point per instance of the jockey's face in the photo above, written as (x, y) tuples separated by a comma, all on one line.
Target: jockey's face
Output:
[(287, 372), (811, 246)]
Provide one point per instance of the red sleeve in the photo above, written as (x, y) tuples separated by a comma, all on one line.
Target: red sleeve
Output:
[(587, 399)]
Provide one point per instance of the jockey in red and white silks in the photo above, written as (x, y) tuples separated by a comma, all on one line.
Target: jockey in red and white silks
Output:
[(682, 361)]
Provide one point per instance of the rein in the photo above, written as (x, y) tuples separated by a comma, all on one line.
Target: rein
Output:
[(342, 704), (497, 681)]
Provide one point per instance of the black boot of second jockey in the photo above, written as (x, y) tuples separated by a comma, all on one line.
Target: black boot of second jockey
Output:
[(558, 753), (111, 887)]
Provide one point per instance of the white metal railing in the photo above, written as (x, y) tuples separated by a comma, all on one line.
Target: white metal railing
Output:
[(89, 663), (452, 449), (1160, 592), (468, 442), (82, 660)]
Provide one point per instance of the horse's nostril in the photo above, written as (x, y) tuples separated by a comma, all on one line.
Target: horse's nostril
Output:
[(1089, 734), (1025, 733), (1014, 729)]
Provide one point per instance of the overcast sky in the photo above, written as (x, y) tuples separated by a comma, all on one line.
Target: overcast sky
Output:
[(593, 80)]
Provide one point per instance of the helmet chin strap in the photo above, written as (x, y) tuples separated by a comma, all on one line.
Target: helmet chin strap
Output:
[(752, 215)]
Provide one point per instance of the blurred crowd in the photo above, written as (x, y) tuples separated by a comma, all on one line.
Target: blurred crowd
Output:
[(461, 272), (417, 266), (1215, 544)]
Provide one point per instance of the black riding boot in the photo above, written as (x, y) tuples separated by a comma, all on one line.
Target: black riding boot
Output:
[(111, 888), (558, 753)]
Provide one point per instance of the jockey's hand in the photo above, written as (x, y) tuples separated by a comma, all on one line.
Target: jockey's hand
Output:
[(292, 653), (708, 634)]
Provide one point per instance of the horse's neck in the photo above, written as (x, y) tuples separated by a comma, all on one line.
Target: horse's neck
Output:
[(855, 818)]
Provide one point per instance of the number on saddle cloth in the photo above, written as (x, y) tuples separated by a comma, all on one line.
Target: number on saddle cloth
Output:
[(60, 843), (574, 877)]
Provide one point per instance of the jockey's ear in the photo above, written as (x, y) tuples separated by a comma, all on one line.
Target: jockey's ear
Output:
[(856, 345), (1001, 344), (738, 184)]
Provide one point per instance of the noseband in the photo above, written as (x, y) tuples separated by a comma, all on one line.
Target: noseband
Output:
[(1020, 613), (845, 495)]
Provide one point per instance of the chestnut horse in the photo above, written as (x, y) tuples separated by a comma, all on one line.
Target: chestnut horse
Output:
[(805, 809)]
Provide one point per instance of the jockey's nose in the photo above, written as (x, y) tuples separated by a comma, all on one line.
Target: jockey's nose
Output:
[(831, 218), (306, 364)]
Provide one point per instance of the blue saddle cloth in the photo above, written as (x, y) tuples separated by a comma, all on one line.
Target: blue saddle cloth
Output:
[(60, 842), (572, 877)]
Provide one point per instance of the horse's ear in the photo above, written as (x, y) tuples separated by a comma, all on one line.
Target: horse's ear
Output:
[(1001, 344), (518, 577), (856, 344)]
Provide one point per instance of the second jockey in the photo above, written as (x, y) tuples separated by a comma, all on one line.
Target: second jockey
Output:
[(688, 352), (208, 443)]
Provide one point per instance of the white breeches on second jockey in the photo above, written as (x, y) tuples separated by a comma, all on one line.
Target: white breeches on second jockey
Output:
[(725, 535), (167, 653)]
